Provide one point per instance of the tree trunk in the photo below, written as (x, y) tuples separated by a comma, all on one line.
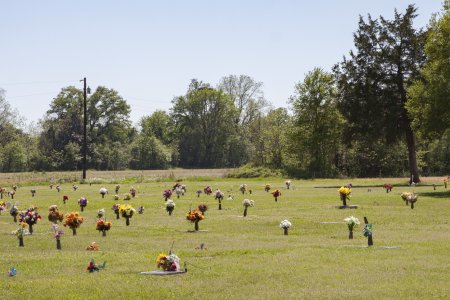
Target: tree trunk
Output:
[(21, 242), (58, 244), (411, 143)]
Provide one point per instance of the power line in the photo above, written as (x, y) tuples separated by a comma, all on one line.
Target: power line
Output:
[(37, 82)]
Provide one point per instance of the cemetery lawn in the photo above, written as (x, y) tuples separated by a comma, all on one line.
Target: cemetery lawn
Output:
[(243, 258)]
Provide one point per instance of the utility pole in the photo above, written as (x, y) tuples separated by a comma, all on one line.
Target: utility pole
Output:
[(84, 128)]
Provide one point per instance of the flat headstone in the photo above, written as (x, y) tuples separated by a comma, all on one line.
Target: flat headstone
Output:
[(389, 247), (196, 230), (347, 206), (163, 273)]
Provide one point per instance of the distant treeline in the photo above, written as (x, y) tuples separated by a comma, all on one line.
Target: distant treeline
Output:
[(381, 111)]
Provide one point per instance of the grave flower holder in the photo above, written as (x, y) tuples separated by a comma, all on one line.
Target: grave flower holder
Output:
[(14, 212), (33, 192), (167, 194), (170, 206), (247, 203), (127, 212), (195, 216), (103, 226), (116, 210), (367, 231), (276, 194), (219, 197), (30, 217), (285, 224), (412, 199), (73, 221), (103, 192), (267, 188), (344, 193), (65, 198), (202, 208), (352, 222)]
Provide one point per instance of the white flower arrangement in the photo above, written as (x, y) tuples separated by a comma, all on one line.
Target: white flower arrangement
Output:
[(170, 204), (352, 221), (248, 202), (101, 213), (285, 224)]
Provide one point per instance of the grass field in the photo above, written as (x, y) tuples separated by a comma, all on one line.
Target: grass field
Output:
[(245, 258)]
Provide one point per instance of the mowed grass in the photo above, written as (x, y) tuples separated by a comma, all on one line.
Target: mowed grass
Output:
[(245, 258)]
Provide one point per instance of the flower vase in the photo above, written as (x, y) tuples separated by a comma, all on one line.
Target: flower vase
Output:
[(286, 229), (15, 218), (276, 199), (58, 244), (21, 242), (220, 205), (81, 208), (245, 212), (412, 205), (103, 232), (30, 228), (127, 221), (74, 231), (344, 199), (406, 202), (196, 225), (117, 215), (103, 196), (350, 235), (170, 212)]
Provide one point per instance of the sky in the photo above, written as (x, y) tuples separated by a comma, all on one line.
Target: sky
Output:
[(150, 50)]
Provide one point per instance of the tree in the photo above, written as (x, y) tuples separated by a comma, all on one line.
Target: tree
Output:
[(204, 123), (429, 95), (108, 123), (373, 81), (316, 133)]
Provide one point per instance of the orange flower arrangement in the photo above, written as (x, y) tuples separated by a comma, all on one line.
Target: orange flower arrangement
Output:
[(103, 226), (195, 216), (73, 221)]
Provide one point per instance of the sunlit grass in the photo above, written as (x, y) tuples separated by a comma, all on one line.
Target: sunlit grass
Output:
[(245, 258)]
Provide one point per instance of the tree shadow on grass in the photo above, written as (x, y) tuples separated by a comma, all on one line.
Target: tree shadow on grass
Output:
[(437, 194)]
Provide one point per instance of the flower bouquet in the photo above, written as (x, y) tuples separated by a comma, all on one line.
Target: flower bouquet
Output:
[(127, 196), (73, 221), (58, 188), (30, 216), (103, 191), (83, 203), (11, 194), (207, 190), (141, 209), (57, 235), (93, 247), (405, 196), (170, 206), (288, 183), (116, 197), (54, 215), (117, 188), (65, 198), (116, 210), (218, 195), (127, 212), (195, 216), (247, 203), (285, 224), (167, 194), (14, 211), (179, 191), (198, 192), (93, 267), (202, 208), (20, 232), (74, 187), (14, 187), (388, 187), (133, 192), (352, 222), (412, 198), (267, 187), (33, 192), (101, 213), (276, 194), (344, 193), (243, 188), (103, 226), (2, 206), (168, 263)]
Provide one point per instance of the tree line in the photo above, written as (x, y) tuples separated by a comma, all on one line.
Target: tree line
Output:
[(381, 111)]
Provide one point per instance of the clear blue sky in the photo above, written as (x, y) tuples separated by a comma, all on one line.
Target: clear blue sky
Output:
[(149, 50)]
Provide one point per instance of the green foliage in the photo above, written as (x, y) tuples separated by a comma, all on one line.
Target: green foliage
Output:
[(249, 171), (429, 96)]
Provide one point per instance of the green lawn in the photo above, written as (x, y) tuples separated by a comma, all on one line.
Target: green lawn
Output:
[(245, 258)]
